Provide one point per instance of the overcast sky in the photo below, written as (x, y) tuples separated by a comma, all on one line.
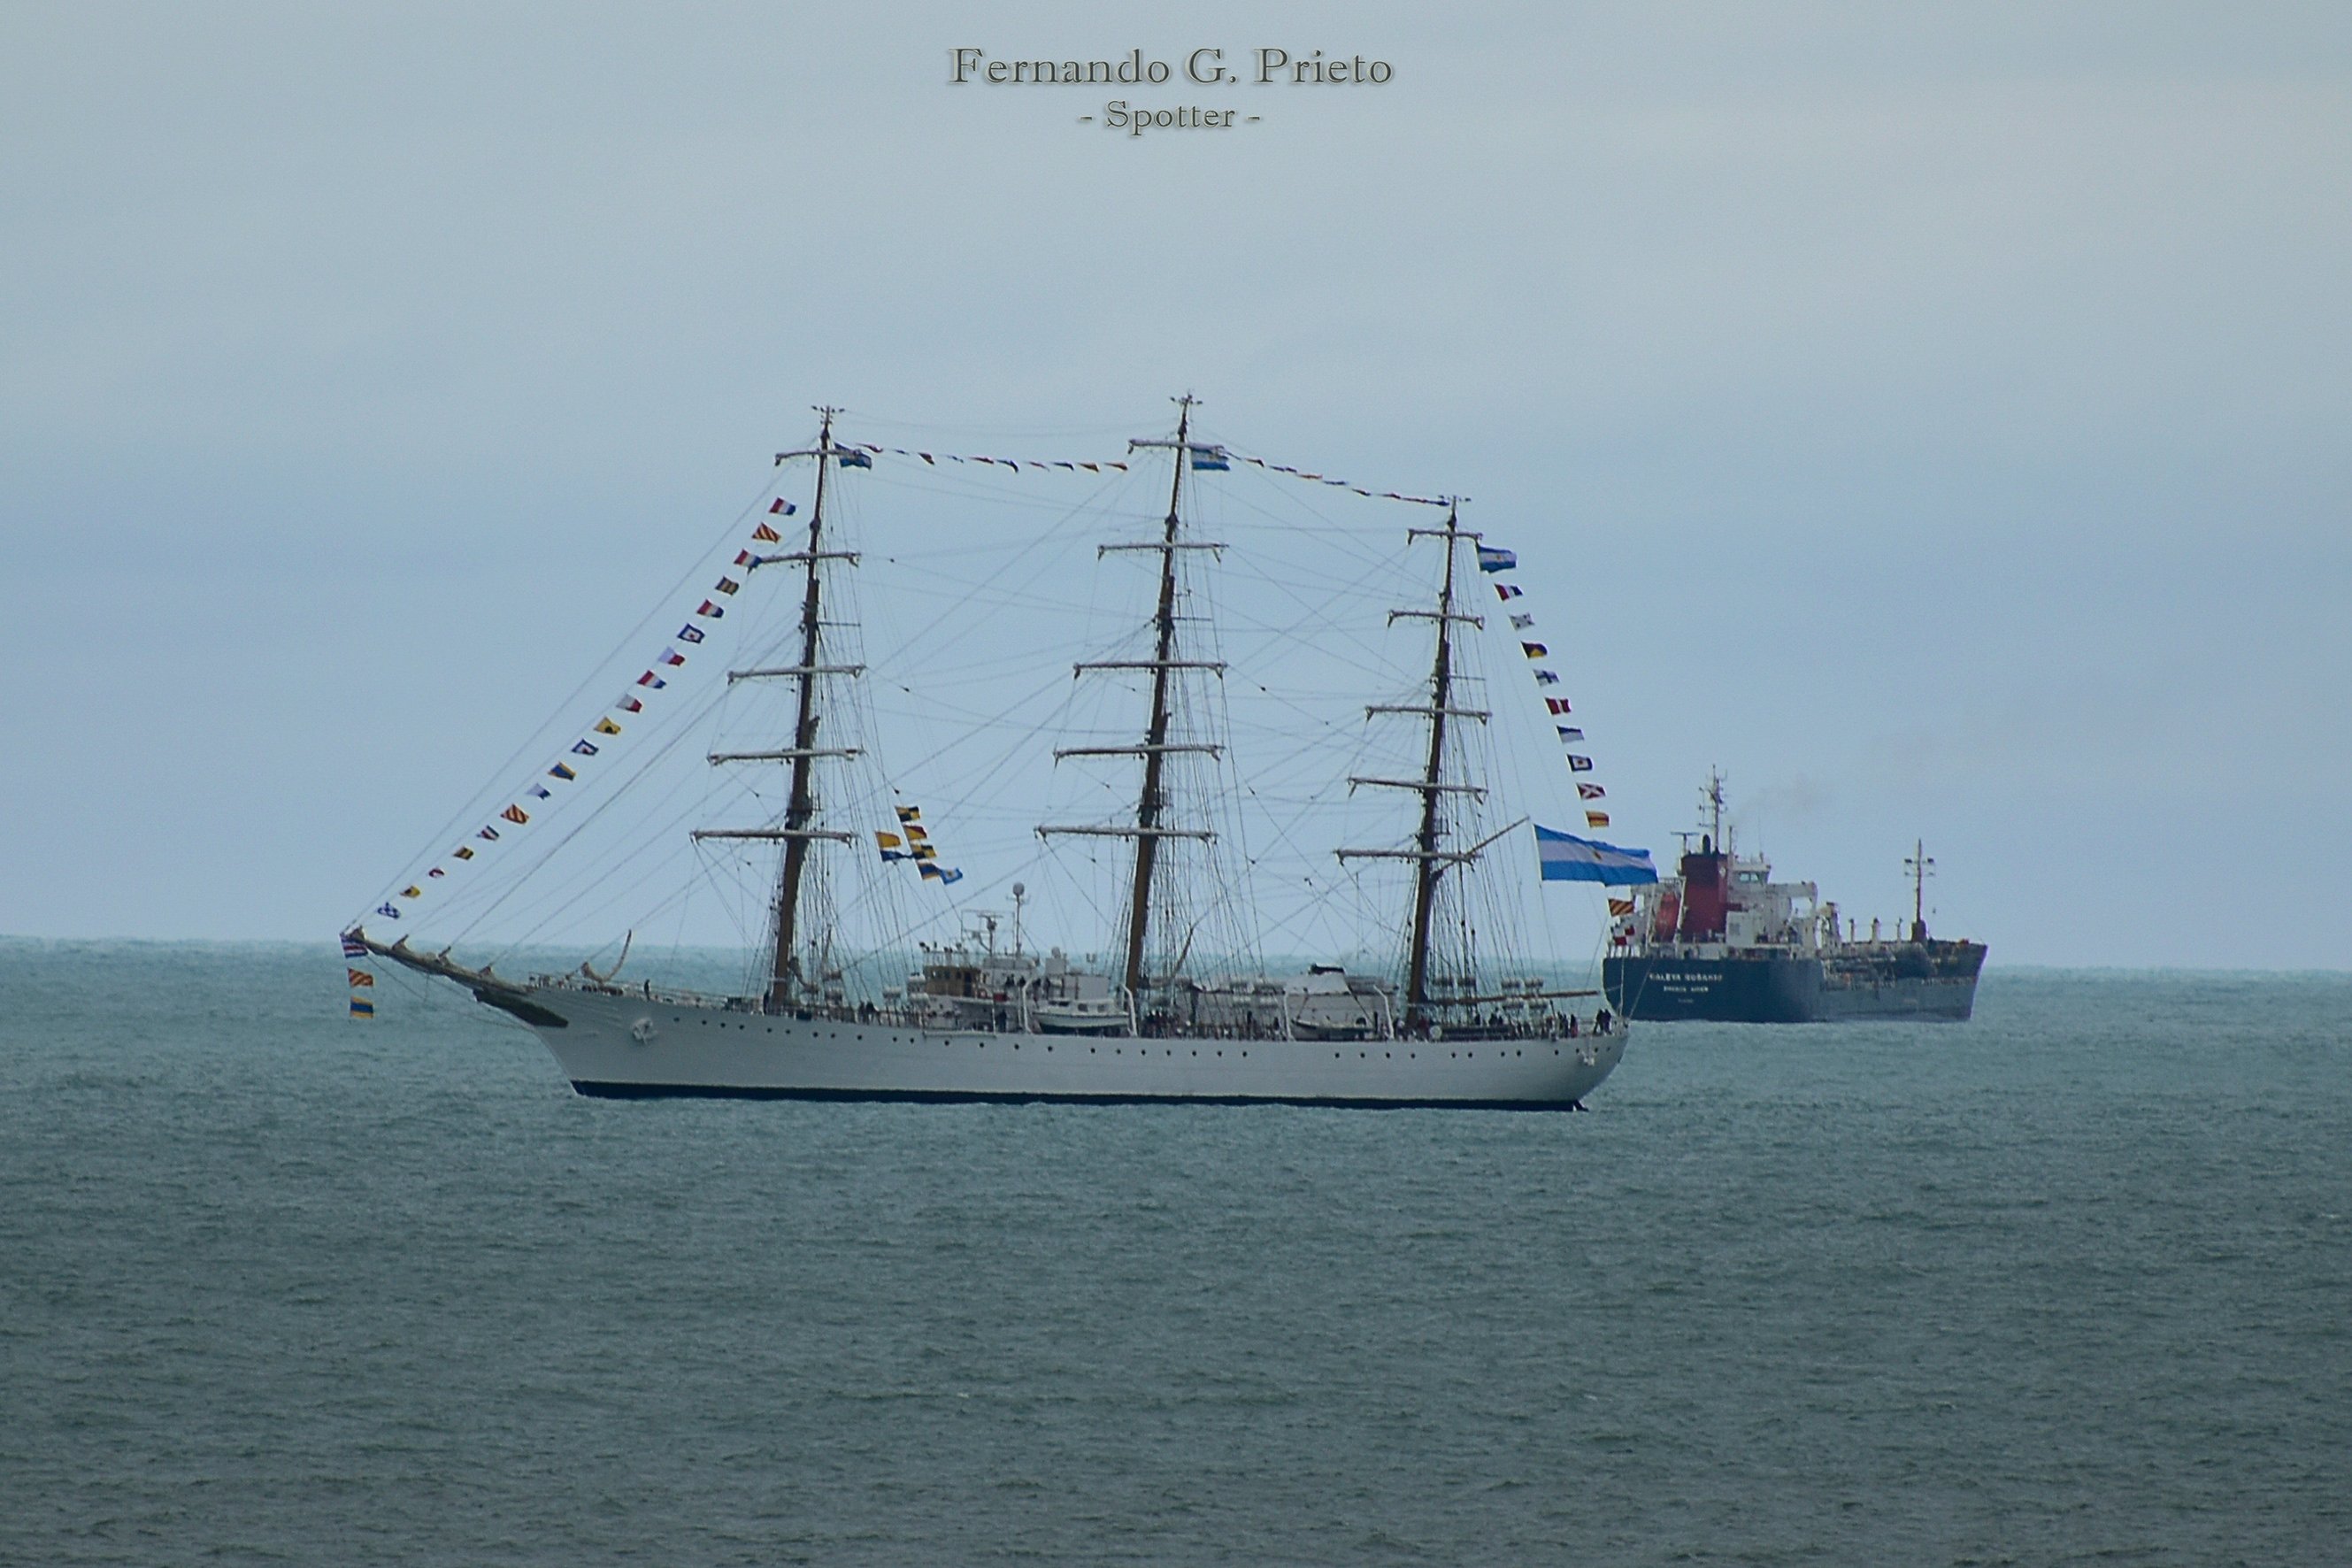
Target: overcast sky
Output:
[(1935, 414)]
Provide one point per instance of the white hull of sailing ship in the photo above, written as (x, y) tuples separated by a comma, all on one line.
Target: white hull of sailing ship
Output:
[(623, 1045)]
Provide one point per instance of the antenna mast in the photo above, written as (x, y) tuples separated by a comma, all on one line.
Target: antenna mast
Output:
[(1921, 865)]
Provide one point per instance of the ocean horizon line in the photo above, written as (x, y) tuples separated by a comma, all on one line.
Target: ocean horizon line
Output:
[(326, 947)]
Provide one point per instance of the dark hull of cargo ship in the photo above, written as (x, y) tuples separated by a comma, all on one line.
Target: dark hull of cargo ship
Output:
[(1774, 989)]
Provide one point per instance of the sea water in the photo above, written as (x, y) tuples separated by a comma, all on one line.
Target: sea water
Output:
[(2070, 1281)]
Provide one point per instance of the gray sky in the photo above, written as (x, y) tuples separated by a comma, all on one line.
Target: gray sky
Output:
[(1934, 414)]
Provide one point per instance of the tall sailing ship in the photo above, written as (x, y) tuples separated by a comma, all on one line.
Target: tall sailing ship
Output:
[(1460, 1017)]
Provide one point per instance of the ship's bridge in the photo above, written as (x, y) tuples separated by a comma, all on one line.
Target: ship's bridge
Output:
[(1722, 903), (1761, 912)]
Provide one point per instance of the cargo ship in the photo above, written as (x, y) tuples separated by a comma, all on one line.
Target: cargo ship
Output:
[(1722, 942)]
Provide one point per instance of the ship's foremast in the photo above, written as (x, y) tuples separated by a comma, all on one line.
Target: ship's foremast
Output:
[(797, 832), (803, 803), (1922, 865)]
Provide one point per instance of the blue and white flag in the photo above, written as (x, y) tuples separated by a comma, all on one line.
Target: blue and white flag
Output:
[(1497, 560), (1210, 459), (1567, 858)]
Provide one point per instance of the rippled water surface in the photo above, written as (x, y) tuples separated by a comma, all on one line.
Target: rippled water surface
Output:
[(2071, 1280)]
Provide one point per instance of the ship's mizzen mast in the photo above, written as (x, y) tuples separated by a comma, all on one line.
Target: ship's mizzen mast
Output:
[(795, 833), (1151, 801), (1155, 760), (1430, 862), (1426, 869)]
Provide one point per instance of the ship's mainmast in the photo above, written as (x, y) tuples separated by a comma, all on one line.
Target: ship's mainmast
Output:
[(1430, 861), (1152, 802), (797, 832)]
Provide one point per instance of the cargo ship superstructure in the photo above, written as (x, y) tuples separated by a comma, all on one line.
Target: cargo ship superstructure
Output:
[(1721, 941)]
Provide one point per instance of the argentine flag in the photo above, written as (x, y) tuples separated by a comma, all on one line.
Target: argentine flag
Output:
[(1567, 858)]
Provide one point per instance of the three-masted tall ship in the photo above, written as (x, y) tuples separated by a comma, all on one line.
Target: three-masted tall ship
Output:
[(1461, 1019)]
